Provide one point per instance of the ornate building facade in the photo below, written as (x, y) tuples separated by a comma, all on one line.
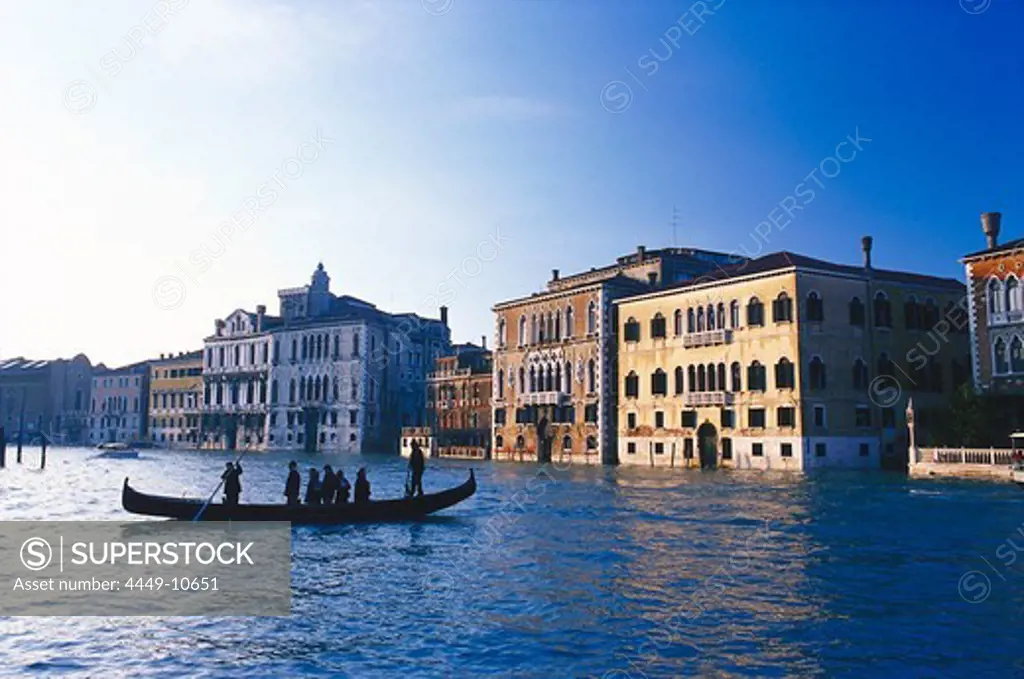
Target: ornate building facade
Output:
[(785, 362), (176, 400), (119, 411), (459, 403), (995, 277), (554, 376), (329, 373)]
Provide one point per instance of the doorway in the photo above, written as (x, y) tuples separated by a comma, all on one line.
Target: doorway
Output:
[(707, 444)]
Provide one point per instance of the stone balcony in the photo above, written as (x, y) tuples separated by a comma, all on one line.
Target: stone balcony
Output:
[(231, 408), (709, 398), (544, 398), (1006, 317), (707, 338)]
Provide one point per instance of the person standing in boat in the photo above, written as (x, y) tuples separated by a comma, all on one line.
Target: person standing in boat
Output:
[(329, 486), (294, 483), (232, 483), (313, 487), (362, 487), (417, 464), (344, 488)]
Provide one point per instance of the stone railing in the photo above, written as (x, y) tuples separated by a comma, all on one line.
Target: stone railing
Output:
[(707, 338), (544, 398), (708, 398), (985, 456)]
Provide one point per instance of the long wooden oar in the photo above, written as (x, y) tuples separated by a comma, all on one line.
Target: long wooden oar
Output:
[(217, 489)]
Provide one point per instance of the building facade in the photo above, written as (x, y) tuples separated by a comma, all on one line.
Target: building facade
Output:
[(119, 407), (996, 309), (329, 373), (459, 403), (554, 376), (785, 362), (176, 400), (50, 397)]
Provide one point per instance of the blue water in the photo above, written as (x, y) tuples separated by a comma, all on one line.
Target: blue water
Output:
[(607, 573)]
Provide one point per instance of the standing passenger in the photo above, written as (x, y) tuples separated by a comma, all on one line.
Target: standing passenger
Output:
[(362, 487), (329, 486), (344, 488), (294, 483), (313, 488)]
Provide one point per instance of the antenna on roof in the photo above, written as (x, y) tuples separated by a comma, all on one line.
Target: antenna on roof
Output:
[(675, 220)]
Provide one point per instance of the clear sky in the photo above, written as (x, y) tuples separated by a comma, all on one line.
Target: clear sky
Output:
[(494, 139)]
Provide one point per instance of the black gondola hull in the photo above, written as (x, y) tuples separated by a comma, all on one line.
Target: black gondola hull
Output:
[(377, 511)]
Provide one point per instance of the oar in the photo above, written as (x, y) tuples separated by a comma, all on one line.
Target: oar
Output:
[(215, 491)]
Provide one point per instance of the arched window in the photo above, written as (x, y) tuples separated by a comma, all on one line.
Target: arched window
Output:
[(570, 326), (757, 379), (700, 319), (533, 379), (591, 443), (816, 373), (1002, 366), (658, 326), (568, 377), (591, 318), (883, 311), (782, 309), (815, 308), (691, 374), (885, 365), (677, 322), (721, 377), (631, 332), (522, 331), (1012, 294), (860, 374), (520, 442), (501, 384), (734, 314), (691, 321), (558, 377), (1017, 355), (305, 348), (856, 312), (711, 318), (501, 333), (337, 346), (784, 377), (302, 388), (355, 345), (931, 313), (702, 378), (558, 325), (659, 383), (755, 312), (549, 379), (273, 391), (542, 331), (995, 303), (679, 380), (632, 385), (721, 316), (291, 392), (737, 378), (591, 377), (712, 378), (567, 443), (912, 314), (499, 441)]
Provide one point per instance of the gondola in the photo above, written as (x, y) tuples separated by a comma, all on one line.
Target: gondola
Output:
[(375, 511)]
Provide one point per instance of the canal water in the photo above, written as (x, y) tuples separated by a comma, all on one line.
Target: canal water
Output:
[(552, 573)]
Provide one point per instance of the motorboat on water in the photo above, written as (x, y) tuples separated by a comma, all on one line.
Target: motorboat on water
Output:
[(116, 451), (1017, 457)]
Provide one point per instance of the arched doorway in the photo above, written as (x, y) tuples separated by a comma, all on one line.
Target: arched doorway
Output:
[(543, 441), (707, 445)]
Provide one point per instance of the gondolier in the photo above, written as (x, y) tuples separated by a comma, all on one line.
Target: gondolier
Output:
[(416, 465)]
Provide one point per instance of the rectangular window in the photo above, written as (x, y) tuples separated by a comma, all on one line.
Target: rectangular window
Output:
[(590, 413), (820, 449), (688, 418), (659, 448), (757, 449), (726, 449), (353, 416), (688, 449), (659, 420), (786, 450), (865, 449), (819, 416), (631, 448), (499, 416), (631, 421), (862, 416), (786, 417), (728, 418), (756, 418)]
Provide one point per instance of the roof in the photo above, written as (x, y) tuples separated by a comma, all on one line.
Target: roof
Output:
[(620, 280), (21, 364), (1005, 247), (130, 368), (781, 261)]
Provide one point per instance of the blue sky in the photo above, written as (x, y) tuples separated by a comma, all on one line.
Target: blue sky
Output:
[(446, 126)]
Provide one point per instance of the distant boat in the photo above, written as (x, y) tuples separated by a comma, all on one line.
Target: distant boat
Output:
[(405, 509), (1017, 458), (116, 451)]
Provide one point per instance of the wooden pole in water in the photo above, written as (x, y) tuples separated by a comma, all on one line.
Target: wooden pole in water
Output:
[(42, 459), (21, 423)]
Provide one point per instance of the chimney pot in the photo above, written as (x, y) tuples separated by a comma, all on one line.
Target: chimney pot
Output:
[(554, 274), (990, 224), (865, 243), (483, 341), (444, 315), (641, 251)]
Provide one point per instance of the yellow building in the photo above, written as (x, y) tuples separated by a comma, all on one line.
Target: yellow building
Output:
[(785, 362), (175, 400)]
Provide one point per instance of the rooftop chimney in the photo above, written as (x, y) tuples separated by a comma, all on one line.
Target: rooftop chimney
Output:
[(990, 226), (444, 315), (554, 274), (865, 244), (640, 252), (483, 341), (261, 311), (161, 357), (219, 324)]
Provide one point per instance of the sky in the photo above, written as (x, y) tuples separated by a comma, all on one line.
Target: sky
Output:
[(170, 161)]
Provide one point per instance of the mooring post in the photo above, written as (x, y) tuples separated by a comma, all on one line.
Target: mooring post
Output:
[(42, 459), (3, 447), (21, 423)]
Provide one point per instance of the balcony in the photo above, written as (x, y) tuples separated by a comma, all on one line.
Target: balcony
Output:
[(709, 398), (1006, 317), (707, 338), (235, 408), (544, 398)]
